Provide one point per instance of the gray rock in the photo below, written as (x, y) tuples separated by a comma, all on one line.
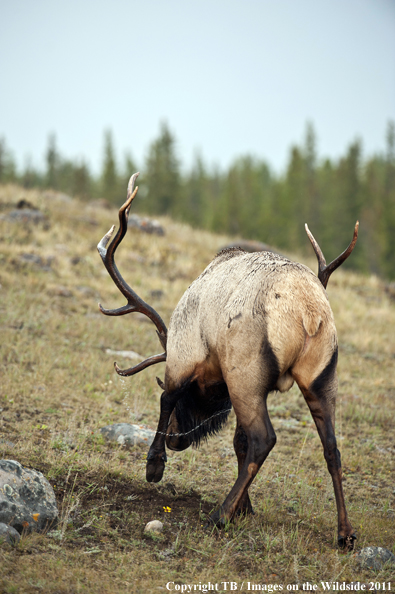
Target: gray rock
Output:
[(37, 261), (375, 557), (145, 224), (8, 534), (6, 444), (87, 291), (57, 196), (27, 500), (25, 215), (128, 435)]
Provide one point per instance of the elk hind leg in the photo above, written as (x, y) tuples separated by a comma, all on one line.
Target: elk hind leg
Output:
[(321, 397), (240, 444), (252, 414)]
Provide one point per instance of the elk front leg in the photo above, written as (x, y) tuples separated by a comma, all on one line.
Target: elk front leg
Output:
[(261, 438), (156, 457)]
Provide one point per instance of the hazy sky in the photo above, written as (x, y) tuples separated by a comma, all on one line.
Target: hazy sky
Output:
[(230, 77)]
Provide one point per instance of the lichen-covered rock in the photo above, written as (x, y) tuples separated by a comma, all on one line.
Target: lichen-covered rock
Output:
[(27, 500), (375, 557), (128, 435), (8, 534)]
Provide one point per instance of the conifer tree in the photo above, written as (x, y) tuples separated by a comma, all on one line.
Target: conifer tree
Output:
[(196, 204), (246, 199), (292, 210), (109, 178), (7, 164), (53, 162), (349, 205), (30, 178), (388, 212), (313, 205), (163, 175), (81, 181)]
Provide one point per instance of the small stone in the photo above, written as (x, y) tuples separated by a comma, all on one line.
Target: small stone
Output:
[(154, 526), (375, 557), (59, 291), (8, 534), (125, 354)]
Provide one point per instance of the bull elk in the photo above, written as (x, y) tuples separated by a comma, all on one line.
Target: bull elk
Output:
[(250, 324)]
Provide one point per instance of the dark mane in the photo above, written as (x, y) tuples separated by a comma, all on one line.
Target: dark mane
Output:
[(203, 414), (229, 252)]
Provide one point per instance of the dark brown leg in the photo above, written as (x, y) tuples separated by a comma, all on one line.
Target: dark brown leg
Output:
[(175, 440), (240, 444), (320, 397), (156, 456), (261, 439)]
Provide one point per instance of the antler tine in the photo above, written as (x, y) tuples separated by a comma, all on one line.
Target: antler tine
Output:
[(140, 366), (324, 271), (135, 303), (316, 247), (123, 213)]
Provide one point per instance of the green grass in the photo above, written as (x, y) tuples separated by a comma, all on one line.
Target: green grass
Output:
[(58, 389)]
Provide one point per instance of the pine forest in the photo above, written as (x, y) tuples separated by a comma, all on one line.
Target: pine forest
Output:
[(248, 200)]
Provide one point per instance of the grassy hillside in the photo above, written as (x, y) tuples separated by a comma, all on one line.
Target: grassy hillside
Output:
[(58, 388)]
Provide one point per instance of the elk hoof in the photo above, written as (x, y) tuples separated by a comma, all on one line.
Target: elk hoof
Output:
[(155, 467), (245, 510), (217, 519), (346, 543)]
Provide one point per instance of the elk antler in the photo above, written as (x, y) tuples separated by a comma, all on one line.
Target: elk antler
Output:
[(135, 303), (324, 271)]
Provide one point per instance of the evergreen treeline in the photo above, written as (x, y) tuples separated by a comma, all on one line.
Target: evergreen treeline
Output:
[(249, 199)]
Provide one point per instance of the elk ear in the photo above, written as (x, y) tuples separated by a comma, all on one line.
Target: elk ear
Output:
[(160, 383)]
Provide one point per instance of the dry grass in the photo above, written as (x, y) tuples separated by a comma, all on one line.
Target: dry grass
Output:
[(58, 389)]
